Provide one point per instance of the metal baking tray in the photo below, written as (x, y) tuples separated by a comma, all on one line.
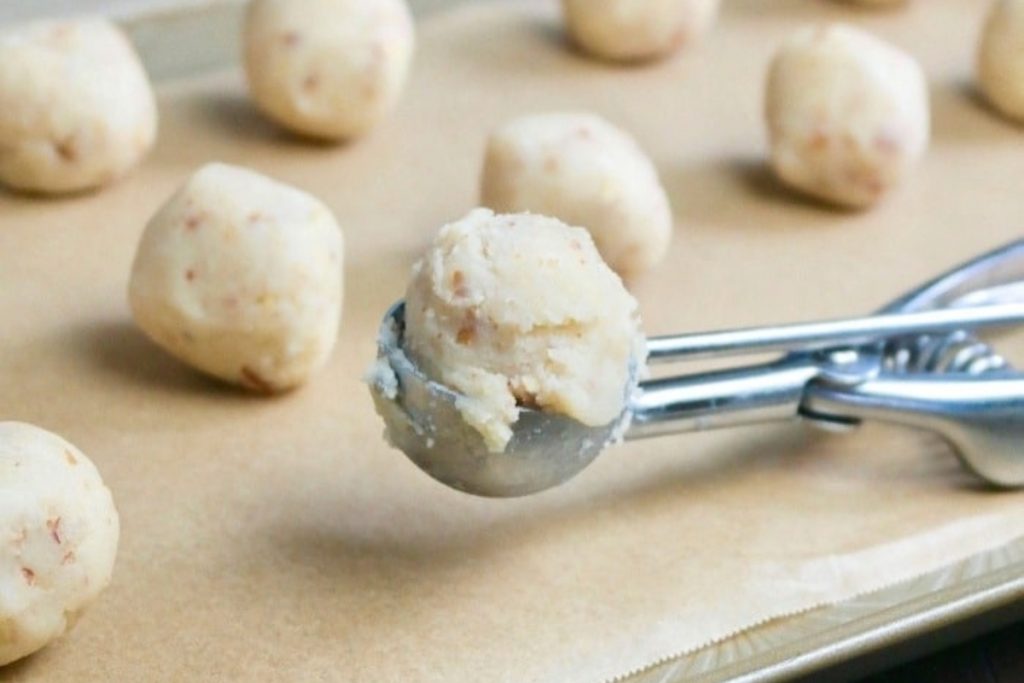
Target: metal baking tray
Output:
[(836, 642)]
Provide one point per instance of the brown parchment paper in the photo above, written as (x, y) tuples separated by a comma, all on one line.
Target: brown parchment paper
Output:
[(281, 540)]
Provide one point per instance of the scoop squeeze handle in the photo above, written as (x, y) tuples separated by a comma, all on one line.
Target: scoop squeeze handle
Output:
[(981, 417)]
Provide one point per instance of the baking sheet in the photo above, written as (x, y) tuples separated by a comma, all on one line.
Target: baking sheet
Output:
[(280, 540)]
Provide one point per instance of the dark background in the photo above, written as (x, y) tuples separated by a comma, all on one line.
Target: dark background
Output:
[(995, 658)]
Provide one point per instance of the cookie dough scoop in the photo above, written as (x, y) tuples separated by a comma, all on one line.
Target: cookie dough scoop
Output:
[(916, 363)]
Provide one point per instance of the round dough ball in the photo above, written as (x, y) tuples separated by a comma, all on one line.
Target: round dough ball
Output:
[(633, 30), (1001, 58), (76, 107), (328, 68), (241, 277), (58, 537), (847, 115), (583, 170), (519, 310)]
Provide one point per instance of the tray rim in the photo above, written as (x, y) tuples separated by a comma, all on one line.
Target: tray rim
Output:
[(860, 627), (925, 605)]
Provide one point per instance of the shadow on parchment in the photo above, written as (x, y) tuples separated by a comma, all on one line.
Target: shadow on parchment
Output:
[(398, 550), (756, 177), (118, 348), (705, 193), (23, 668), (759, 179), (550, 32), (37, 197), (235, 116), (962, 114)]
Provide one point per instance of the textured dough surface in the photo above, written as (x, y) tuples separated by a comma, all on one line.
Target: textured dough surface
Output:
[(241, 277), (847, 114), (328, 68), (58, 537), (1001, 58), (584, 171), (520, 310), (76, 108), (630, 30)]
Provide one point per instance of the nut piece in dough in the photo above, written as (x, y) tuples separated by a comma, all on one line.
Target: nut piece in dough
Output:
[(241, 277), (517, 311), (847, 115), (636, 30), (58, 537), (328, 68), (1001, 58), (584, 171), (76, 108)]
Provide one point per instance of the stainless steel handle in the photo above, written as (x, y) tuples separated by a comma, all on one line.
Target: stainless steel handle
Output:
[(978, 281), (775, 391), (819, 336), (726, 398), (982, 417)]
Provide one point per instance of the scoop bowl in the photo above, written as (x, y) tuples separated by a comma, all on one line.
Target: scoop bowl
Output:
[(424, 422)]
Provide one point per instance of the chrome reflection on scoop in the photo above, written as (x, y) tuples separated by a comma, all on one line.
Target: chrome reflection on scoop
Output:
[(916, 363)]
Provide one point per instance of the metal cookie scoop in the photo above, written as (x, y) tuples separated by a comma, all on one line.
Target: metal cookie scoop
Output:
[(915, 363)]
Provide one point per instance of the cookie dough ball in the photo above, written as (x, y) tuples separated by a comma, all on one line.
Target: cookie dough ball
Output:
[(585, 171), (633, 30), (58, 537), (76, 107), (519, 311), (328, 68), (847, 115), (1001, 58), (241, 277)]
